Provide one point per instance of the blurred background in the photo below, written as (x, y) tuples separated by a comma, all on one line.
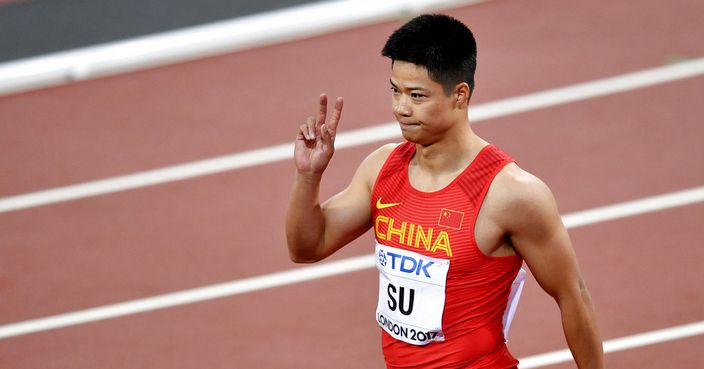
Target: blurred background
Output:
[(145, 170)]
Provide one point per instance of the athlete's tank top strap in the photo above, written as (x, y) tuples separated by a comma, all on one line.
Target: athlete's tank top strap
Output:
[(396, 163), (475, 182), (398, 159)]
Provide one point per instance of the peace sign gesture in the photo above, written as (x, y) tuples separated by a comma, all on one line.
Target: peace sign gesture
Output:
[(315, 139)]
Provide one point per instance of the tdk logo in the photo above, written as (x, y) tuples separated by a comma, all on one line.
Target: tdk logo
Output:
[(407, 264), (382, 258)]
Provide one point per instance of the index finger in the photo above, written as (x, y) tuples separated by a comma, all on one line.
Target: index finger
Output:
[(323, 112)]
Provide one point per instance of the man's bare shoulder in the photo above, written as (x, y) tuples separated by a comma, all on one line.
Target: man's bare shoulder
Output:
[(382, 153), (520, 198), (371, 166), (519, 184)]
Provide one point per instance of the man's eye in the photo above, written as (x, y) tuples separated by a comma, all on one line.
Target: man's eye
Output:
[(417, 96)]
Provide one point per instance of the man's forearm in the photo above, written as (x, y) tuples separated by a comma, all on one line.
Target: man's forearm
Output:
[(581, 331), (305, 223)]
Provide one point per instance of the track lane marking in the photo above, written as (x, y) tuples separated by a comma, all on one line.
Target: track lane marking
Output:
[(322, 270), (634, 207), (618, 344), (386, 131), (217, 38)]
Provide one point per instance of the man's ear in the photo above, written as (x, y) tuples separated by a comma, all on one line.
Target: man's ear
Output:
[(461, 94)]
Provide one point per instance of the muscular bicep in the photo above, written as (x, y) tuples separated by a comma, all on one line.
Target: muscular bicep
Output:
[(539, 236), (348, 214)]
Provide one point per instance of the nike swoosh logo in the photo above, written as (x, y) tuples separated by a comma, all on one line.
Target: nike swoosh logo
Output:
[(380, 205)]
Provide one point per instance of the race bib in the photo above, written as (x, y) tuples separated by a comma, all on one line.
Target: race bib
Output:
[(411, 294)]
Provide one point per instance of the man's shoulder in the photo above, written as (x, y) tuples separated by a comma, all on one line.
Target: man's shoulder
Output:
[(376, 159), (519, 181), (383, 152), (517, 193), (371, 166)]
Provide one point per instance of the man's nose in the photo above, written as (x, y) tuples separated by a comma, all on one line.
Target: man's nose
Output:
[(402, 106)]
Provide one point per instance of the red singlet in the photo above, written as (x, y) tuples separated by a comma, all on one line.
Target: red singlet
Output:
[(413, 231)]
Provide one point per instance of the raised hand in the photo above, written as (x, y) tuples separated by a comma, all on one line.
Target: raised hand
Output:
[(316, 138)]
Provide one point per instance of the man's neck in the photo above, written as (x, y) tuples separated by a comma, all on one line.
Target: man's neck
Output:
[(452, 154)]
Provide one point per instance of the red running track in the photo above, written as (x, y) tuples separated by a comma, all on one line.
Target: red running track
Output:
[(642, 271)]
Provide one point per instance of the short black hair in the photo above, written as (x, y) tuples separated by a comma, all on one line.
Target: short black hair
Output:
[(442, 44)]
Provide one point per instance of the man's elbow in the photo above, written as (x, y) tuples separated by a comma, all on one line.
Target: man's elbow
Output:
[(575, 294), (302, 255), (302, 259)]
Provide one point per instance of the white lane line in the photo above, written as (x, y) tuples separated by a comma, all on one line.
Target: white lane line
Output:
[(618, 344), (148, 178), (352, 138), (207, 40), (326, 269), (587, 90), (188, 296), (635, 207)]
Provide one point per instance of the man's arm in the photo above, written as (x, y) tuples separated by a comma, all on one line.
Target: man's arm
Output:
[(538, 235), (315, 231)]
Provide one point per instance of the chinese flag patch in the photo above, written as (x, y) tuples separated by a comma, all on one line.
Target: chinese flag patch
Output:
[(450, 218)]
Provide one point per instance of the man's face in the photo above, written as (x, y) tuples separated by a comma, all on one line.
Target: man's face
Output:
[(419, 104)]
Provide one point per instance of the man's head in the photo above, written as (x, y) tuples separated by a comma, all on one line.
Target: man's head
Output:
[(441, 44)]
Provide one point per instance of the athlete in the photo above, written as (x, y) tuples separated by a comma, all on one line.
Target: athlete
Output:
[(454, 217)]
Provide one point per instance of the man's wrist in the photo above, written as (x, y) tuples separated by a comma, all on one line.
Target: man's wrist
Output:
[(309, 178)]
